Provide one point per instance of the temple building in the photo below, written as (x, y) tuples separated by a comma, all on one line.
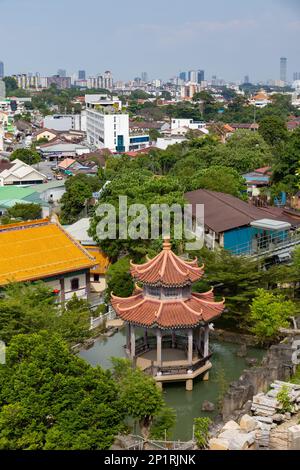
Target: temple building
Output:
[(171, 321), (42, 250)]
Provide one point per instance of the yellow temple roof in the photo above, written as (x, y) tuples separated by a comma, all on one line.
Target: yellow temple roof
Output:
[(39, 249)]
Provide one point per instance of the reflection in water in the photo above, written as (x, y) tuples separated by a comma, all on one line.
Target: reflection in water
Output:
[(187, 404)]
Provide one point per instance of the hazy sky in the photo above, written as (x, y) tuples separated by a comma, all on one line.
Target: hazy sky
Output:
[(227, 38)]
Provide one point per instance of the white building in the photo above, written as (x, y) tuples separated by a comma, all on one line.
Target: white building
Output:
[(20, 173), (65, 122), (163, 143), (189, 123), (107, 126)]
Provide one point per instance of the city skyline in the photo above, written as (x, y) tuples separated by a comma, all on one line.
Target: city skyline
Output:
[(229, 41)]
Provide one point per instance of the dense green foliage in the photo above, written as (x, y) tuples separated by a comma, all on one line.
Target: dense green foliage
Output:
[(28, 156), (22, 211), (30, 308), (140, 396), (119, 280), (201, 431), (269, 313), (79, 190), (52, 400)]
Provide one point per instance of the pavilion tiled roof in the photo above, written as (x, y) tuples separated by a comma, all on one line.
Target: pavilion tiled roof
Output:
[(167, 269), (146, 311)]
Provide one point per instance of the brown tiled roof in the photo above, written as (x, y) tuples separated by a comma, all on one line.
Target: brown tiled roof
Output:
[(176, 313), (167, 269), (5, 165), (223, 212)]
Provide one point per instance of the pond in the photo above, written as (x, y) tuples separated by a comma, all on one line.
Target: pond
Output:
[(226, 366)]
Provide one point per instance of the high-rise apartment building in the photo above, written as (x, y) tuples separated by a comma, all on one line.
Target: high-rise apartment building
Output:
[(81, 75), (182, 76), (296, 76), (1, 69), (61, 73), (193, 76), (108, 80), (144, 77), (200, 76), (283, 69)]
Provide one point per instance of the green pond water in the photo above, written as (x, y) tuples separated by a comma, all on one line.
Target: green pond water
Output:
[(187, 404)]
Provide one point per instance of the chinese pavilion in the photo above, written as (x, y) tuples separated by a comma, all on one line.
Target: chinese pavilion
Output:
[(174, 321)]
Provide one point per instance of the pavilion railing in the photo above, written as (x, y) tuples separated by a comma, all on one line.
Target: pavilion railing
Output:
[(143, 345), (177, 370)]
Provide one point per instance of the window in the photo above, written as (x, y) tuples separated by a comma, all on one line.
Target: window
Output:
[(75, 284), (96, 277)]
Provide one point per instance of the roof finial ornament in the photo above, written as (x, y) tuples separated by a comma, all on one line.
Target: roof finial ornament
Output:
[(167, 244)]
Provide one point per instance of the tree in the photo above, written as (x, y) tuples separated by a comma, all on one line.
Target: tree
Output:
[(219, 178), (269, 313), (154, 134), (139, 394), (30, 308), (273, 129), (163, 423), (28, 156), (287, 161), (79, 189), (23, 211), (10, 84), (245, 151), (52, 400), (119, 280)]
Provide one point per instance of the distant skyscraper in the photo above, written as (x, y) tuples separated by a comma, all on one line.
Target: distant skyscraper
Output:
[(81, 75), (283, 69), (61, 73), (1, 69), (193, 75), (296, 76), (144, 77), (182, 76), (200, 76), (246, 79)]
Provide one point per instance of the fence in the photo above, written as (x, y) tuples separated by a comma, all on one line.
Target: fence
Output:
[(102, 319), (135, 442)]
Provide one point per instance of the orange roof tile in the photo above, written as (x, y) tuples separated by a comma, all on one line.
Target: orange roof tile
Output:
[(101, 259), (176, 313), (66, 163), (39, 249), (167, 269)]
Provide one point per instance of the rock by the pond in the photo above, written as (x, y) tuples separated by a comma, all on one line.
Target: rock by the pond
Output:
[(231, 426), (287, 416), (218, 444), (251, 361), (248, 423), (208, 406), (278, 418), (238, 440), (242, 352)]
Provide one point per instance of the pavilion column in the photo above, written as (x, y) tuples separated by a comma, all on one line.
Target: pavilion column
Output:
[(199, 333), (128, 346), (206, 341), (146, 337), (173, 340), (132, 342), (190, 347), (158, 346)]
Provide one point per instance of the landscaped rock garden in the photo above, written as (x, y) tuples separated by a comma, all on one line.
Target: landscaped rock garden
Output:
[(267, 424)]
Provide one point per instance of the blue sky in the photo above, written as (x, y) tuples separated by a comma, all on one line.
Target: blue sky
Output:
[(227, 38)]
